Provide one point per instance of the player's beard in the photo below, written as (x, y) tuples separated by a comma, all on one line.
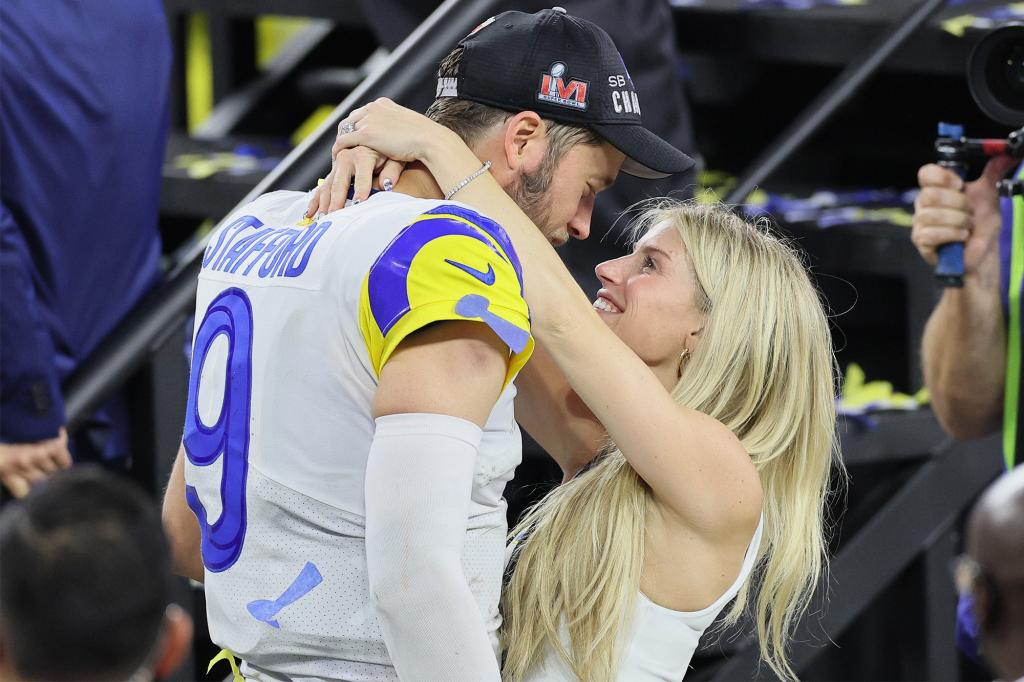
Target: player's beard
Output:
[(530, 192)]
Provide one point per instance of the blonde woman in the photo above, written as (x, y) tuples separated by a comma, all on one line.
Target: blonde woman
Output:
[(704, 378)]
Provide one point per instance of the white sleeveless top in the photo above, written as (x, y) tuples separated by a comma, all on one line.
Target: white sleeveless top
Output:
[(661, 641)]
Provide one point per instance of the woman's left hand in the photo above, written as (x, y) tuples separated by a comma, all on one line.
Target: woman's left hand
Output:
[(374, 141), (358, 169)]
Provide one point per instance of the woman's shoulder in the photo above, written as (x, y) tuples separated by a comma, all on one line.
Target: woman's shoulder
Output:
[(732, 513)]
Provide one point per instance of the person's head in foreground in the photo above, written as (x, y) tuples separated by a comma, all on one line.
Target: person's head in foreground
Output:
[(758, 359), (86, 584), (992, 572), (547, 99)]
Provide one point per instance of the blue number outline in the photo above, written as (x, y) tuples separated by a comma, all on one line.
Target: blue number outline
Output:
[(230, 314)]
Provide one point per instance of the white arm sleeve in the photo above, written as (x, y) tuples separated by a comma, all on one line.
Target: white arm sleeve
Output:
[(419, 477)]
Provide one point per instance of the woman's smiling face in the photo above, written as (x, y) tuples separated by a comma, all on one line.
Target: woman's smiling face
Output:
[(648, 300)]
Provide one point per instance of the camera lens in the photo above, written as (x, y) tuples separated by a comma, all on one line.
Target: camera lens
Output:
[(1006, 76), (995, 74)]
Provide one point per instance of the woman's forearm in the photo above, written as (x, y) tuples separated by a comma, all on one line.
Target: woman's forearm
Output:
[(964, 351), (563, 320)]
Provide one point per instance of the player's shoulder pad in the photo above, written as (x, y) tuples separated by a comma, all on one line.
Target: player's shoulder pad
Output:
[(449, 263)]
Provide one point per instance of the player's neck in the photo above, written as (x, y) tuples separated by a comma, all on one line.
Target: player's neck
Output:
[(416, 181)]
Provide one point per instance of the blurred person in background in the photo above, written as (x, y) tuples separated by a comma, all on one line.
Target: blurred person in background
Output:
[(83, 119), (992, 573), (85, 584)]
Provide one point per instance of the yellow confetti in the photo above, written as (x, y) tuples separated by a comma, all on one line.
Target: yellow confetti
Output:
[(859, 394), (958, 25)]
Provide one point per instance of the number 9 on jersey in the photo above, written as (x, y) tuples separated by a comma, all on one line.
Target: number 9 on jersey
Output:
[(229, 315)]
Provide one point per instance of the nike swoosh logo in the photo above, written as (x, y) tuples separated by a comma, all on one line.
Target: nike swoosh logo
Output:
[(485, 277)]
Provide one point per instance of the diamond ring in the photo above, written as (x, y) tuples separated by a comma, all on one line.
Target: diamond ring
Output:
[(346, 128)]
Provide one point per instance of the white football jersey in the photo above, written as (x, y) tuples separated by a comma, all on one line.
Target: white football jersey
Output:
[(293, 324)]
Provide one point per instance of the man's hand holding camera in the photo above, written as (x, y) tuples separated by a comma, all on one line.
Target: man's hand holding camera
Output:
[(948, 210), (964, 343)]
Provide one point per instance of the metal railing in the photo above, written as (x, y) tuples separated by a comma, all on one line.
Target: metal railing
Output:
[(831, 99)]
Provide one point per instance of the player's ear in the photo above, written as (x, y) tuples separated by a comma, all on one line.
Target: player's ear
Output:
[(525, 141)]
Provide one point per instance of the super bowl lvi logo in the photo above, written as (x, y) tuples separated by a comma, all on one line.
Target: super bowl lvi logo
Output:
[(554, 88)]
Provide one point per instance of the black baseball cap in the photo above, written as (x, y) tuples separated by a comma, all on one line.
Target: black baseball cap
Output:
[(566, 69)]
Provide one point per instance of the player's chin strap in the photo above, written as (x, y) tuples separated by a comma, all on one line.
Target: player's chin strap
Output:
[(229, 656)]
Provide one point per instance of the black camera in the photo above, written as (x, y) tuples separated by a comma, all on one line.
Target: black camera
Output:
[(995, 74)]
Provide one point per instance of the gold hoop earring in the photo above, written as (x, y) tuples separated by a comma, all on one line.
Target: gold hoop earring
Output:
[(685, 355)]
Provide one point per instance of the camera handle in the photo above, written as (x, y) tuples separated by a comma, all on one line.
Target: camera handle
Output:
[(955, 152), (952, 154)]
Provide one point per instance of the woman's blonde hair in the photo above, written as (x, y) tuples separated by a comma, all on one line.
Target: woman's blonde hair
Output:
[(765, 369)]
